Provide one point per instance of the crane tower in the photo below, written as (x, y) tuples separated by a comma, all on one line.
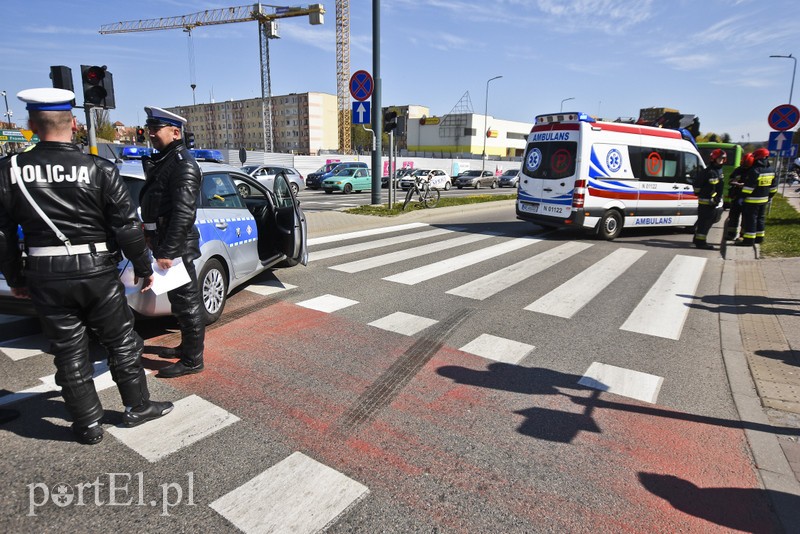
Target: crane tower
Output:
[(265, 15)]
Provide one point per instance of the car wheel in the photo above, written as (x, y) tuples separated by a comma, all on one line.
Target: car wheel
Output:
[(347, 189), (295, 188), (447, 186), (494, 185), (244, 190), (478, 184), (610, 225), (213, 289)]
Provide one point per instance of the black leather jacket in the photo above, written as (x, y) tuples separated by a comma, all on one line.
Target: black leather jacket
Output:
[(169, 199), (86, 199)]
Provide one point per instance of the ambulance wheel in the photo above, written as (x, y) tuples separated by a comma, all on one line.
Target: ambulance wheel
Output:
[(610, 225)]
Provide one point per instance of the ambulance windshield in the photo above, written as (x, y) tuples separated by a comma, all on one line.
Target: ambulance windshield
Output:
[(550, 160)]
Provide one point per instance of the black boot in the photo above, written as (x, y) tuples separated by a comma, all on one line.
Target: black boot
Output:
[(170, 353), (147, 411), (179, 369), (88, 435)]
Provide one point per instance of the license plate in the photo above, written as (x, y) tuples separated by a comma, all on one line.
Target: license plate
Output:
[(529, 207)]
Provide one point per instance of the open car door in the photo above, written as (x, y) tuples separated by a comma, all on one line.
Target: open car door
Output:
[(282, 231)]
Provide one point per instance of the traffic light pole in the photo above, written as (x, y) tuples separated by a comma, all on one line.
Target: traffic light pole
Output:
[(90, 133)]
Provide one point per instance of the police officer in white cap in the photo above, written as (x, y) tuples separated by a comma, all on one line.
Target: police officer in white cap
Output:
[(75, 210), (169, 207)]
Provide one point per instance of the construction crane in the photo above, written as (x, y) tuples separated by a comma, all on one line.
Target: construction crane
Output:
[(267, 29), (343, 74)]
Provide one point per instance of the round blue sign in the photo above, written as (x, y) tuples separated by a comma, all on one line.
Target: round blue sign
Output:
[(361, 85), (784, 117)]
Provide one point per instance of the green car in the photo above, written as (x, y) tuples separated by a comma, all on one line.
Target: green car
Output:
[(348, 180)]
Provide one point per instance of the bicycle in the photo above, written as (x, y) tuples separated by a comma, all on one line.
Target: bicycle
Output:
[(425, 195)]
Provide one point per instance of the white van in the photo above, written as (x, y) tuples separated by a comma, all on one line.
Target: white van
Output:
[(603, 176)]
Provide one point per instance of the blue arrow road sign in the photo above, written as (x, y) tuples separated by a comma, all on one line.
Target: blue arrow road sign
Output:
[(361, 113), (779, 141)]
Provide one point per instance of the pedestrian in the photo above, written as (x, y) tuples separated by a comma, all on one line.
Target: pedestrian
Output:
[(735, 183), (708, 188), (760, 185), (169, 207), (75, 210)]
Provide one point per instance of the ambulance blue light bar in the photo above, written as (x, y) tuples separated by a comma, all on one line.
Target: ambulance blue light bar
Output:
[(571, 116)]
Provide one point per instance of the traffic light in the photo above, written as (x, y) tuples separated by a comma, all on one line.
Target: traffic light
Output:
[(62, 79), (389, 121), (139, 134), (98, 87), (188, 139)]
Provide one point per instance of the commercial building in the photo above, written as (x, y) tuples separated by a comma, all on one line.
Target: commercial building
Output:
[(464, 134), (305, 123)]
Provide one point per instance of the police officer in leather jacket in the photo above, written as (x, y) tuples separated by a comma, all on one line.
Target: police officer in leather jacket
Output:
[(73, 280), (169, 207)]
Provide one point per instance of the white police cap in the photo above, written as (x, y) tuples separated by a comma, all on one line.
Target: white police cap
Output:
[(157, 116), (47, 99)]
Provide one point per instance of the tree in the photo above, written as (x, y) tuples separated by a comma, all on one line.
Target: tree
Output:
[(104, 128)]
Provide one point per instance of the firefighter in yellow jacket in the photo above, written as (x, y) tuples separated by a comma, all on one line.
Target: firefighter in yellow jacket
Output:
[(760, 185)]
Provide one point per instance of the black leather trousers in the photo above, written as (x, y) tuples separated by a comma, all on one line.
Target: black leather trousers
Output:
[(187, 307), (66, 308)]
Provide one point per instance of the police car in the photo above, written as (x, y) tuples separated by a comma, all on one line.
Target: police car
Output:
[(239, 238)]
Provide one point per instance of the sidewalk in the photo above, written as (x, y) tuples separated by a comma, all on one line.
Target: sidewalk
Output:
[(760, 330)]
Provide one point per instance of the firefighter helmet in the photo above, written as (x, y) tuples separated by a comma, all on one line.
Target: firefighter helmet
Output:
[(761, 153)]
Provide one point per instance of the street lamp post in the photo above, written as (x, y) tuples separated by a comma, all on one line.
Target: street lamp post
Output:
[(794, 71), (565, 100), (8, 113), (486, 126)]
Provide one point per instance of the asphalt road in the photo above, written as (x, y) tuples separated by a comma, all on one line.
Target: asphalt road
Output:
[(399, 384)]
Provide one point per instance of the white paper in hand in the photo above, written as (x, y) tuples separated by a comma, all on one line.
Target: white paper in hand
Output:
[(169, 279)]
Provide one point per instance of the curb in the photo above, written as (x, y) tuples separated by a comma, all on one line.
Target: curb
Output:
[(769, 460)]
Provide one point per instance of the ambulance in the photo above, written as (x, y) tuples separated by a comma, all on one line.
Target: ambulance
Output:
[(606, 176)]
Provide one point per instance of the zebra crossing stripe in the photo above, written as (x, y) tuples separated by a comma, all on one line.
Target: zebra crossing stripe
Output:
[(403, 323), (327, 303), (427, 272), (501, 279), (498, 349), (664, 308), (568, 298), (193, 419), (25, 347), (370, 245), (269, 287), (298, 495), (362, 233), (401, 255), (620, 381)]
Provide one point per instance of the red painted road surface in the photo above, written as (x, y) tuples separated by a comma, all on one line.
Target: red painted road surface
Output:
[(452, 441)]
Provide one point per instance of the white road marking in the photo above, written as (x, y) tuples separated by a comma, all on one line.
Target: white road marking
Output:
[(401, 255), (25, 347), (193, 419), (498, 349), (370, 245), (626, 382), (403, 323), (327, 303), (297, 495), (439, 268), (568, 298), (269, 287), (663, 310), (501, 279), (101, 376), (362, 233)]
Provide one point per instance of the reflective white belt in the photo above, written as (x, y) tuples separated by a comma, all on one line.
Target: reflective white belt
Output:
[(149, 226), (67, 250)]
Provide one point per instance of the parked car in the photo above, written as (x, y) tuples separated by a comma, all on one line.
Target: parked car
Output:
[(476, 179), (436, 177), (509, 178), (239, 238), (265, 174), (347, 180), (397, 176), (314, 180)]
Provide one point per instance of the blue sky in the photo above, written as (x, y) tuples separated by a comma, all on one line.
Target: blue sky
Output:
[(706, 57)]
